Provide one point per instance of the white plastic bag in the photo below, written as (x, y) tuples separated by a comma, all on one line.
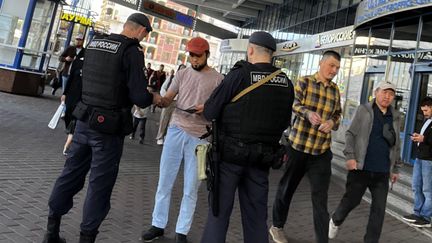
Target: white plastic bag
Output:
[(56, 117)]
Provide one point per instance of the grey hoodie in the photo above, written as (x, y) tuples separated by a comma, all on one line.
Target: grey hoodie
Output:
[(357, 137)]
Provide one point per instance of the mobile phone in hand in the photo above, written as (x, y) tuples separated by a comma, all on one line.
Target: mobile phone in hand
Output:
[(190, 110)]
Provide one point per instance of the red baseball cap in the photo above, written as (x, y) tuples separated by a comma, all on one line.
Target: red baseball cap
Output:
[(197, 45)]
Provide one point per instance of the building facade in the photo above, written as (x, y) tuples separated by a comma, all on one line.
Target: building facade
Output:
[(378, 40), (166, 44)]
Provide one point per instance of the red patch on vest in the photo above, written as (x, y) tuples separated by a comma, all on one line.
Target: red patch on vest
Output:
[(100, 119)]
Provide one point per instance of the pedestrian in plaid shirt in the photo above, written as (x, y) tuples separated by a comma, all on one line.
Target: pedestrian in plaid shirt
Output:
[(317, 109)]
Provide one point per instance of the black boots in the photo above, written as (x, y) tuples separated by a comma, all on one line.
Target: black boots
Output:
[(52, 233), (87, 238)]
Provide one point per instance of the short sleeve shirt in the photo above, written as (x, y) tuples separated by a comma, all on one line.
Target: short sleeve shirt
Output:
[(193, 88)]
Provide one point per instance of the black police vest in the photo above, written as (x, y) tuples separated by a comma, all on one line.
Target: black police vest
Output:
[(263, 114), (104, 80)]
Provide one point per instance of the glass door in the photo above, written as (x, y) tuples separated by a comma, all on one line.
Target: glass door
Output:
[(424, 87), (372, 77)]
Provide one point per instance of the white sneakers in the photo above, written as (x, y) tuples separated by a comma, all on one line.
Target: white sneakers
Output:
[(333, 229), (278, 235), (159, 142)]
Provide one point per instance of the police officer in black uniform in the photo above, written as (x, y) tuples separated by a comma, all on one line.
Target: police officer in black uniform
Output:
[(250, 129), (113, 79)]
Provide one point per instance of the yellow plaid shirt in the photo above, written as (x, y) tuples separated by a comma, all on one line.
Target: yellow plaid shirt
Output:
[(311, 95)]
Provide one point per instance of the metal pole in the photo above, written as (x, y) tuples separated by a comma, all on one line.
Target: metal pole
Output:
[(48, 36), (25, 31)]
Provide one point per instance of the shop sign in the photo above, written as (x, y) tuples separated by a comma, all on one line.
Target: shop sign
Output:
[(336, 37), (76, 19), (372, 9), (168, 13), (128, 3), (290, 46)]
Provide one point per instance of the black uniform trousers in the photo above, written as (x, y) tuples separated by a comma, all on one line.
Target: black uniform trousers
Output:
[(252, 184), (356, 184), (100, 153), (318, 170)]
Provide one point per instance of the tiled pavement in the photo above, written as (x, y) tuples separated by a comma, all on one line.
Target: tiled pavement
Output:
[(31, 159)]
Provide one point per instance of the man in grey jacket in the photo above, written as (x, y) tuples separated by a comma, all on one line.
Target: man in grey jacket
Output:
[(372, 150)]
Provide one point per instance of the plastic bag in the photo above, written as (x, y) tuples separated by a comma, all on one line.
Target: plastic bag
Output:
[(56, 117)]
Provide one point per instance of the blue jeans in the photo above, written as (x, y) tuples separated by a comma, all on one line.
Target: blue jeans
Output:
[(178, 146), (422, 188), (64, 81)]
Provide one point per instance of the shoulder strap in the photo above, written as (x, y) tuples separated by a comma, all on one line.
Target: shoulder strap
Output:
[(255, 85)]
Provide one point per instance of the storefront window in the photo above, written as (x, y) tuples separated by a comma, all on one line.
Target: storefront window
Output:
[(380, 39), (405, 36), (11, 23), (361, 42), (426, 34), (400, 73), (38, 34), (355, 85)]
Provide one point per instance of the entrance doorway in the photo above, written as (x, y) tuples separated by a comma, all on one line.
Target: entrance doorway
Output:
[(422, 87), (373, 75)]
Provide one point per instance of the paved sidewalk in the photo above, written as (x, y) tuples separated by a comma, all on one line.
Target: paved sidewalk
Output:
[(31, 159)]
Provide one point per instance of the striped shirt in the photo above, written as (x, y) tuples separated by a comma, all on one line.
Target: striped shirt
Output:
[(312, 95)]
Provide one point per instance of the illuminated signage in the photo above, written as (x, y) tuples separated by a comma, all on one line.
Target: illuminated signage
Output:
[(76, 19), (372, 9), (336, 37), (171, 14)]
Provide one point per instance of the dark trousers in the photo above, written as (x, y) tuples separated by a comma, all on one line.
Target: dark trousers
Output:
[(136, 123), (318, 170), (252, 184), (100, 153), (357, 182)]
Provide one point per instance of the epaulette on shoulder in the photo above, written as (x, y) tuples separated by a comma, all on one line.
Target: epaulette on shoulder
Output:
[(240, 64)]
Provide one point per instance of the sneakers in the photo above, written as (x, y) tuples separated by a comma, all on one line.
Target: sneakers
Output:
[(181, 238), (159, 142), (411, 218), (278, 235), (422, 223), (132, 137), (333, 229), (152, 234)]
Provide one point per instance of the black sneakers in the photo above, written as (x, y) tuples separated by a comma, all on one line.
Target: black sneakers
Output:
[(181, 238), (411, 218), (152, 234), (422, 223)]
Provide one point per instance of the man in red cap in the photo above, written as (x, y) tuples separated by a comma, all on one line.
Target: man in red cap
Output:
[(192, 86)]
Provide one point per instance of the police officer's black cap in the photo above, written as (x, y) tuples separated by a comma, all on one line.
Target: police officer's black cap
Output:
[(140, 19), (263, 39)]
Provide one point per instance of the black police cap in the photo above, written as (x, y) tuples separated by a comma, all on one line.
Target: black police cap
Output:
[(263, 39), (140, 19)]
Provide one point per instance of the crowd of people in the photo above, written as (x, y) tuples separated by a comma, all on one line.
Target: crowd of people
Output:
[(110, 93)]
